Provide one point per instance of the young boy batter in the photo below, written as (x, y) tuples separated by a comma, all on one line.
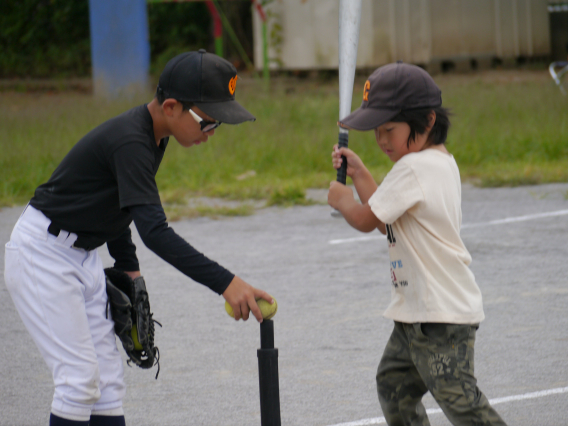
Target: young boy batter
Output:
[(107, 181), (436, 304)]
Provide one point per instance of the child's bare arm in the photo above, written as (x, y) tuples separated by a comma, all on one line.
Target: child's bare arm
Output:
[(359, 216), (364, 184)]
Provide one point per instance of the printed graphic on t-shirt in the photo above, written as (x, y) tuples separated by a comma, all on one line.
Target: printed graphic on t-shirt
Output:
[(390, 236), (395, 265)]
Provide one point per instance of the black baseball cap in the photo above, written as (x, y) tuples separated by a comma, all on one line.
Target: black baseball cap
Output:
[(207, 81), (391, 89)]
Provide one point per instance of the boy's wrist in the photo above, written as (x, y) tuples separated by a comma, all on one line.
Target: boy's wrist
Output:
[(359, 173), (345, 204)]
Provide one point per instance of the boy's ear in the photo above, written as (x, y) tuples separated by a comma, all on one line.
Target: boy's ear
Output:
[(168, 106), (431, 120)]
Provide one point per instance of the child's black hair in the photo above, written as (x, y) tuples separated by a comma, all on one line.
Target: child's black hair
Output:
[(417, 119), (161, 98), (160, 95)]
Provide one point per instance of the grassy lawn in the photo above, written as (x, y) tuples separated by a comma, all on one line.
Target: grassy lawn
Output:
[(508, 128)]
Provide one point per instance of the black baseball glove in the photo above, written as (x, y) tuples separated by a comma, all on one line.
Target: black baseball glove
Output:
[(133, 323)]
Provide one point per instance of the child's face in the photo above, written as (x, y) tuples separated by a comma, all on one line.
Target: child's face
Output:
[(392, 138), (185, 128)]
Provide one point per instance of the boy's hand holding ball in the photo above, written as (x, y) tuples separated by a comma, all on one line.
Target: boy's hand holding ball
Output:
[(242, 298), (268, 310)]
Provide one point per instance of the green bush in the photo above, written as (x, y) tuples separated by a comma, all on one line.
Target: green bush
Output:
[(175, 28), (44, 38), (50, 38)]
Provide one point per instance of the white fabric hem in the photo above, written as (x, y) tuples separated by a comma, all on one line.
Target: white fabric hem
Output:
[(119, 411), (78, 414), (474, 318)]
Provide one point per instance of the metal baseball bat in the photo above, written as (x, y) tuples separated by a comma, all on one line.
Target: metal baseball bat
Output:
[(349, 22)]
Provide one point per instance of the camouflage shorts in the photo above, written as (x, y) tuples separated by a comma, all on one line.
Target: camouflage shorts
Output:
[(432, 357)]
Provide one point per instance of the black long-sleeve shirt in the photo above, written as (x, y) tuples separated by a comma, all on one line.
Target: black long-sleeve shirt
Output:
[(150, 221), (106, 181)]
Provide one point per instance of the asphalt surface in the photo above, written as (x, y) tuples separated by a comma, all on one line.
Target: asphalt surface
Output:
[(329, 327)]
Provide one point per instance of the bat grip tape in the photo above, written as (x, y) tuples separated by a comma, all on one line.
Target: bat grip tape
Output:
[(342, 171)]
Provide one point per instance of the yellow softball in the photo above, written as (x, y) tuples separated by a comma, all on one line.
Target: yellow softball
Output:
[(134, 334), (268, 310)]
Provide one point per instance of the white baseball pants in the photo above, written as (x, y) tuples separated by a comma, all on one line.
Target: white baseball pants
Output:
[(60, 294)]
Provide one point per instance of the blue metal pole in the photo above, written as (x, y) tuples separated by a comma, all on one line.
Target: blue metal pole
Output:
[(120, 48)]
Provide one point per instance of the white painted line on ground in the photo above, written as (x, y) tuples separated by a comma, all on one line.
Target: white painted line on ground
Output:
[(517, 219), (355, 239), (466, 226), (532, 395), (494, 401)]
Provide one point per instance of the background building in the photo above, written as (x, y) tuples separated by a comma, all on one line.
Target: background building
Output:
[(437, 34)]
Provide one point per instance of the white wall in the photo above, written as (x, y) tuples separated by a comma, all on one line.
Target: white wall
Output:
[(417, 31)]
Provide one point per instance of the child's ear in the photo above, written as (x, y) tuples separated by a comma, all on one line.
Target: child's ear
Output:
[(431, 119), (168, 106)]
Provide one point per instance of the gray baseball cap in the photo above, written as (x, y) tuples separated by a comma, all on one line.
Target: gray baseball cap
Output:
[(391, 89)]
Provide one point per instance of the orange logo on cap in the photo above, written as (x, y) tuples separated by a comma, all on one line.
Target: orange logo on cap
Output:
[(233, 85), (366, 90)]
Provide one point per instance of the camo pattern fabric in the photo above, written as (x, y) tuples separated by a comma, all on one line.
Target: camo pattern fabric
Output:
[(433, 357)]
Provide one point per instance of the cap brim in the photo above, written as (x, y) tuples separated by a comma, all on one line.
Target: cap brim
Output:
[(230, 112), (367, 118)]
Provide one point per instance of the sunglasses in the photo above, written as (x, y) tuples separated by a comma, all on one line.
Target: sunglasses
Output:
[(206, 126)]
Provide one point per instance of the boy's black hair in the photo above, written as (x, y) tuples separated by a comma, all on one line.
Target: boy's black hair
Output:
[(417, 119), (160, 95), (161, 98)]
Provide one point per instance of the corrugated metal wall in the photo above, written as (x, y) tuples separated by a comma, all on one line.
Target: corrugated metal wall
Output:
[(303, 33), (558, 31)]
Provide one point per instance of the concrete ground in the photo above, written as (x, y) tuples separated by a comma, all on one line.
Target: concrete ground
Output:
[(329, 328)]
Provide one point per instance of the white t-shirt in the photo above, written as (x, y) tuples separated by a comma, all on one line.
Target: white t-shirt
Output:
[(420, 202)]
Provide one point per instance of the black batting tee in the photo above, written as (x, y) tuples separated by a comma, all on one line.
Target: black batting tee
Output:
[(108, 179)]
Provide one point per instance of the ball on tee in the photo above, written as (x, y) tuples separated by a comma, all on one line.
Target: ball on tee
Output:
[(268, 310)]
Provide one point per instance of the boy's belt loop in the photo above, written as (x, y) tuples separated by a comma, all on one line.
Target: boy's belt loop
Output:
[(54, 230)]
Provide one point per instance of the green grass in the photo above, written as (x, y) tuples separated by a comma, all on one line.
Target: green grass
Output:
[(508, 128)]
